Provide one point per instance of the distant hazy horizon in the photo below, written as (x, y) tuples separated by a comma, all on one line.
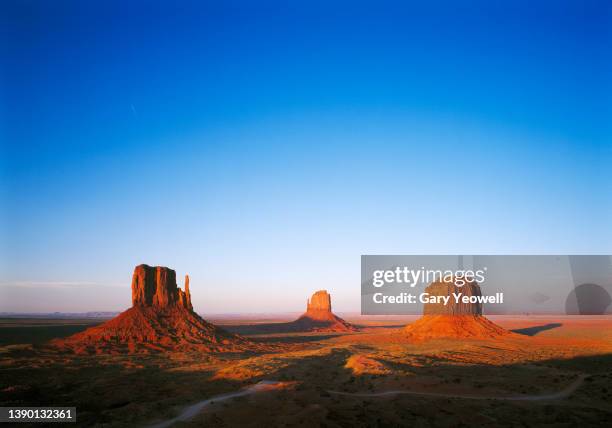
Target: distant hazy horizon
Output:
[(262, 153)]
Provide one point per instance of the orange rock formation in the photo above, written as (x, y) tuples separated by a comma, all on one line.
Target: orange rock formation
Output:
[(161, 318), (319, 316), (156, 286), (455, 320)]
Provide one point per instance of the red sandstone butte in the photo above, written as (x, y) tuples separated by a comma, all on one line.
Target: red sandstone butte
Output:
[(462, 320), (156, 286), (161, 318), (319, 316)]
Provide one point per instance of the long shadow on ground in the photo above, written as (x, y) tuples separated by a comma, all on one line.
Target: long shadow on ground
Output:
[(532, 331)]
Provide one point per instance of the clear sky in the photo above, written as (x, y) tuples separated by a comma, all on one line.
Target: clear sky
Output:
[(262, 147)]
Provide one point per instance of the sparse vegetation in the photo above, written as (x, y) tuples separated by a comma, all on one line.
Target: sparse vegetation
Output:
[(134, 389)]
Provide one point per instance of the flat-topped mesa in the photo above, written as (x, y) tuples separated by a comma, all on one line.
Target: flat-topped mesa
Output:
[(156, 286), (456, 320), (319, 304)]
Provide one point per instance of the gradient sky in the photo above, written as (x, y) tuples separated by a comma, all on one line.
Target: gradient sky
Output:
[(262, 147)]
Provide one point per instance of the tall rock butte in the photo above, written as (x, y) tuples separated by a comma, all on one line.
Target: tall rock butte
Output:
[(156, 286), (319, 304), (454, 320), (319, 316), (453, 308), (161, 319)]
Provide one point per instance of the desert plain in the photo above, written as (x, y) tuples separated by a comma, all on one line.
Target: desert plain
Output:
[(552, 371)]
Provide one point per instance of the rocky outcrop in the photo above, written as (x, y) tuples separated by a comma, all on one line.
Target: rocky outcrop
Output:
[(319, 306), (453, 327), (447, 289), (454, 320), (319, 302), (161, 319), (365, 364), (319, 316), (185, 297), (156, 286)]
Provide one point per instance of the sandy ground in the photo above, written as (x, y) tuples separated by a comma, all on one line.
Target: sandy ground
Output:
[(547, 356)]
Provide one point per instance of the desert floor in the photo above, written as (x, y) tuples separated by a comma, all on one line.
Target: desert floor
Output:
[(554, 371)]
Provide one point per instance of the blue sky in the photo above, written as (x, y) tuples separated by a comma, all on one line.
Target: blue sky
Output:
[(263, 147)]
